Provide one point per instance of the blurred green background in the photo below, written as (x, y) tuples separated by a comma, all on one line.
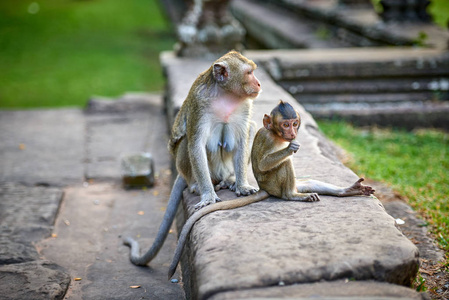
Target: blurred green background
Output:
[(59, 53)]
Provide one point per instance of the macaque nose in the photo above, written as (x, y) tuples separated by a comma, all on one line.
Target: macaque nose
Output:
[(292, 133)]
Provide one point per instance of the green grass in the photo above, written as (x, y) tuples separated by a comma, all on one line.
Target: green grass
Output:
[(59, 53), (438, 9), (416, 164)]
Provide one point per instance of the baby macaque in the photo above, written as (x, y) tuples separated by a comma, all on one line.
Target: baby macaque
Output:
[(271, 156)]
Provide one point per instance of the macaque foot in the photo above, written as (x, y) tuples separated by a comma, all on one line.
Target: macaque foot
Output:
[(312, 197), (304, 197), (358, 189), (243, 190), (207, 199), (309, 197), (224, 184)]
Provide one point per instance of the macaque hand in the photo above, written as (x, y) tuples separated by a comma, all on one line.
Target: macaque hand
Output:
[(293, 146)]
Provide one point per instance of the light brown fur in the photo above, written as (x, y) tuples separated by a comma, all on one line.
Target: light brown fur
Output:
[(212, 133)]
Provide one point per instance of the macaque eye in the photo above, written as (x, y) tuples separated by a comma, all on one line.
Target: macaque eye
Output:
[(295, 124), (286, 125), (250, 72)]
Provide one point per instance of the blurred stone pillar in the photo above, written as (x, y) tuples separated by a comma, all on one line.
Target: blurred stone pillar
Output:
[(208, 30), (405, 11)]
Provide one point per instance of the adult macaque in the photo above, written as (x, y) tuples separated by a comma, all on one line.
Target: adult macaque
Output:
[(273, 169), (211, 140)]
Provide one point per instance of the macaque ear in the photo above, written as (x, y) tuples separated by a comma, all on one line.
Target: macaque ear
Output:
[(267, 122), (221, 72)]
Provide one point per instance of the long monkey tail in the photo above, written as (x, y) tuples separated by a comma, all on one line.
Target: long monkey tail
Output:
[(173, 203), (225, 205)]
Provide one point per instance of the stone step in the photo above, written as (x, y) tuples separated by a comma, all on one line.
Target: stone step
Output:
[(360, 75), (272, 245), (357, 63), (276, 28), (395, 84), (409, 115), (368, 86), (308, 100), (328, 23)]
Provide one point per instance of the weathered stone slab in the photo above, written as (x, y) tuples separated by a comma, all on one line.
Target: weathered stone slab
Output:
[(34, 146), (338, 290), (278, 242), (115, 128), (33, 280), (28, 206), (14, 248)]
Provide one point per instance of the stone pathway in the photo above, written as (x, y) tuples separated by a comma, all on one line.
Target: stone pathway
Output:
[(63, 210)]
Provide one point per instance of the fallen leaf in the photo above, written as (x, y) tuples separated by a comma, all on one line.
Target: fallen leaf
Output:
[(170, 231), (77, 278), (155, 193), (141, 213), (22, 146), (426, 272), (135, 286), (67, 222), (54, 235)]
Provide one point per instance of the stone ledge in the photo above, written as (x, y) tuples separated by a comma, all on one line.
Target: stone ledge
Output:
[(335, 290), (278, 242)]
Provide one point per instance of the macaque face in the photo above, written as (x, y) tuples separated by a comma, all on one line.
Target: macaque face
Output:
[(288, 128), (250, 83), (235, 75)]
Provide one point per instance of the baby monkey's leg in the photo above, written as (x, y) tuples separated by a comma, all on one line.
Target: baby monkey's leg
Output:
[(322, 188), (305, 197)]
